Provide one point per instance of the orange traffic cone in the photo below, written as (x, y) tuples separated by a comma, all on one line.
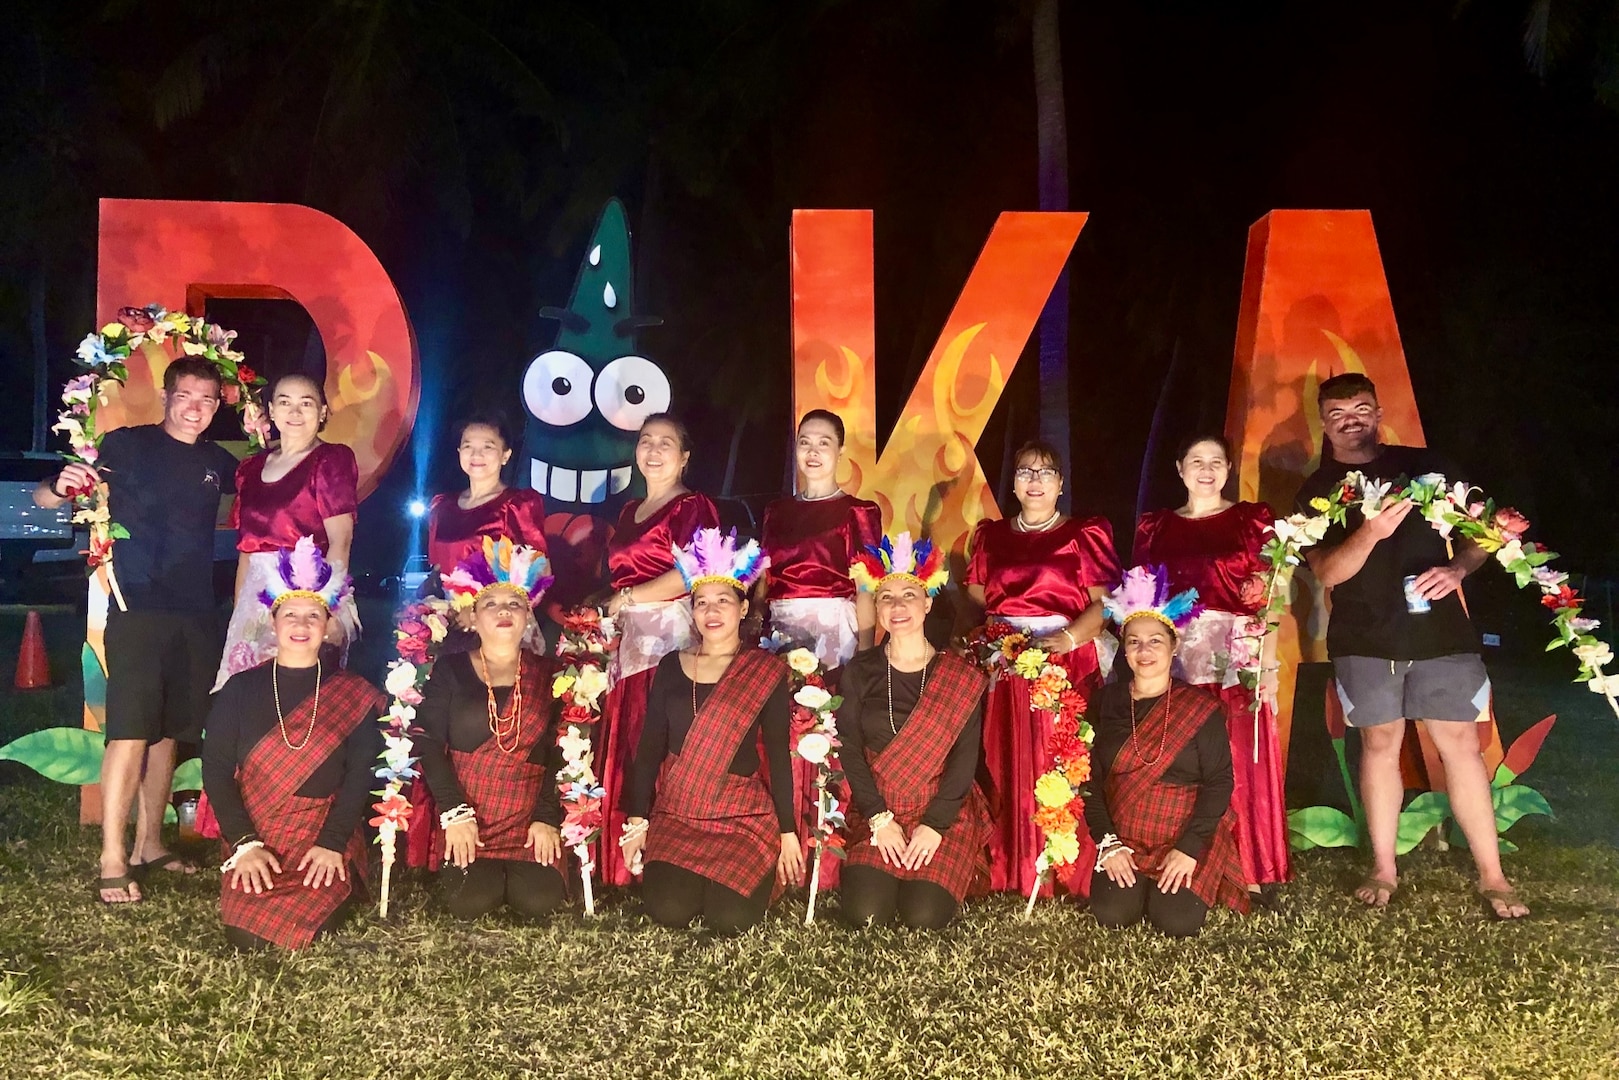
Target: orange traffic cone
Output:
[(33, 670)]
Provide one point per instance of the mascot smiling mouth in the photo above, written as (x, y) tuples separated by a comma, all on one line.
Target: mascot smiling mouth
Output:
[(577, 485)]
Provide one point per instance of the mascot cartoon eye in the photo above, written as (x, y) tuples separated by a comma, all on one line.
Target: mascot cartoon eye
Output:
[(556, 388), (629, 390)]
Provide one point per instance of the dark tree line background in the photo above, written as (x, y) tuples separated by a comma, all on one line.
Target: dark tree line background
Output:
[(471, 143)]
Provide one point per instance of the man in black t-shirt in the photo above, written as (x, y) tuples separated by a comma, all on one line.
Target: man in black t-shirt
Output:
[(1401, 643), (164, 483)]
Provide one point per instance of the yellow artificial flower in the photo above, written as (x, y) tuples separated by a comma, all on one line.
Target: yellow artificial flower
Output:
[(1052, 790), (1029, 663), (1320, 504), (1063, 848), (561, 685)]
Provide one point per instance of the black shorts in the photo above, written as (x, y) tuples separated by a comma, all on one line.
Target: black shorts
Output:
[(160, 667)]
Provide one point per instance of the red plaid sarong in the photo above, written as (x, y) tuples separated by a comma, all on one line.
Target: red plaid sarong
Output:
[(290, 914), (704, 818), (1151, 815), (907, 772), (503, 787)]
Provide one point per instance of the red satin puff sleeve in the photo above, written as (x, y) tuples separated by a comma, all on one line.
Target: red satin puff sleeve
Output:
[(642, 550), (454, 534), (1026, 575), (811, 544), (272, 515), (1214, 555)]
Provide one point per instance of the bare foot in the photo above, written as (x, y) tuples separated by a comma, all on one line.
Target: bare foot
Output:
[(1375, 892), (1503, 900)]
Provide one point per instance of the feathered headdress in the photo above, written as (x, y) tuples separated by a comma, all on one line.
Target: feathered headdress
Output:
[(714, 556), (501, 565), (302, 573), (1146, 592), (899, 556)]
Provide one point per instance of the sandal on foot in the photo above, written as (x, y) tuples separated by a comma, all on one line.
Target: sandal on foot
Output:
[(170, 862), (1377, 887), (1509, 897), (122, 884)]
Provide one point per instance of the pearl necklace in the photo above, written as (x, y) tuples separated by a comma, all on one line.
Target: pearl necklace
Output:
[(1045, 526), (281, 721), (821, 498), (694, 657), (892, 727)]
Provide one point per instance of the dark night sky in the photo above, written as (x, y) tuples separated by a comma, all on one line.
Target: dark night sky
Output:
[(1492, 195)]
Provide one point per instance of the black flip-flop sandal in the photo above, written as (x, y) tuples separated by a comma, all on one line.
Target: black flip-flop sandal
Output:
[(123, 882), (170, 863)]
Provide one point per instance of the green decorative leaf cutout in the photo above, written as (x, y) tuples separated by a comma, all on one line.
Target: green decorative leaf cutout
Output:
[(1420, 818), (1516, 801), (68, 755), (188, 776), (1321, 826), (169, 816), (95, 680)]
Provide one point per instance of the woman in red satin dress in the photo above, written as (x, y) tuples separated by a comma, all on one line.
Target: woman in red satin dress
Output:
[(811, 539), (1212, 544), (1044, 573), (303, 487), (457, 523), (647, 605)]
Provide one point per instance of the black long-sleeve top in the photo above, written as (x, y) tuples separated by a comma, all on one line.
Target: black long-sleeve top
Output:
[(1205, 764), (668, 719), (454, 715), (863, 723), (243, 712)]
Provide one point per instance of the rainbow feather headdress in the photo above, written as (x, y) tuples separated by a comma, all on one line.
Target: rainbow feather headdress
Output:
[(302, 573), (1146, 592), (501, 565), (899, 556), (713, 556)]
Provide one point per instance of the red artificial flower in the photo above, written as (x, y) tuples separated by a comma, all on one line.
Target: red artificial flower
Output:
[(139, 320), (98, 552), (246, 374), (394, 808), (1511, 523), (1564, 597)]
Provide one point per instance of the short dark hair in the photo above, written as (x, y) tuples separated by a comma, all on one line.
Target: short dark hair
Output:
[(320, 390), (197, 368), (1192, 440), (823, 414), (489, 420), (681, 431), (1041, 450), (1345, 386)]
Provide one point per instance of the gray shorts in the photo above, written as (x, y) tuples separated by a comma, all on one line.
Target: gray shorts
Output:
[(1374, 691)]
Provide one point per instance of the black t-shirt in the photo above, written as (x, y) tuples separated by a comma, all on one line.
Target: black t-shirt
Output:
[(166, 493), (1369, 616)]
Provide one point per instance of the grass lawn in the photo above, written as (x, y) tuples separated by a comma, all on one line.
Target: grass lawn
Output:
[(1319, 988)]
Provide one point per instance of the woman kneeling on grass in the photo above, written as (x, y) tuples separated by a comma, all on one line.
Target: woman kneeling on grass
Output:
[(714, 835), (287, 763), (911, 725), (489, 747), (1160, 810)]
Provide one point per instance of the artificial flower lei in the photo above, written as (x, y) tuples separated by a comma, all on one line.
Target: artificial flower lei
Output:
[(815, 719), (419, 632), (103, 355), (586, 645), (1003, 651), (1461, 509)]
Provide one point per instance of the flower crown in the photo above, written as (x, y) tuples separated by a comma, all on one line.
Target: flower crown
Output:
[(1146, 592), (302, 573), (899, 556), (713, 556), (500, 565)]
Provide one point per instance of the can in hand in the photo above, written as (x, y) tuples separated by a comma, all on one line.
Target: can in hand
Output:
[(1415, 602)]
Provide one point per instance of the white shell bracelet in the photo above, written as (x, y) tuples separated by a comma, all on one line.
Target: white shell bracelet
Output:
[(455, 815), (1110, 845), (236, 856)]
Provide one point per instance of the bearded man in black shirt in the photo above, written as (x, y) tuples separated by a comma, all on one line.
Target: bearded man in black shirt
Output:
[(164, 483), (1401, 643)]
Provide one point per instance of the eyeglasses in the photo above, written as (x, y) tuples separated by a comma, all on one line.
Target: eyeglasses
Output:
[(1045, 472)]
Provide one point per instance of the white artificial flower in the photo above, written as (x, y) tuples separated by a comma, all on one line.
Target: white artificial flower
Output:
[(1435, 513), (1371, 497), (401, 677), (1433, 479), (802, 661), (812, 698), (1604, 684), (1594, 656), (814, 747), (403, 713), (1287, 529), (591, 684), (1316, 527), (573, 745)]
